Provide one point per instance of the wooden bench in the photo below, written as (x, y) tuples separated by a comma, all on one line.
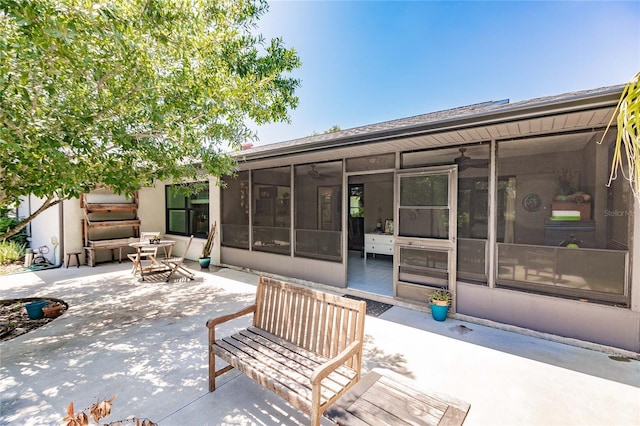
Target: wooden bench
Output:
[(304, 345), (115, 244)]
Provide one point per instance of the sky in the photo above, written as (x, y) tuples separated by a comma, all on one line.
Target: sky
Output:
[(366, 62)]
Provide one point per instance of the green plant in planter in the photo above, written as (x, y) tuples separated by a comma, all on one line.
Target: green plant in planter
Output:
[(440, 297), (208, 245), (205, 257)]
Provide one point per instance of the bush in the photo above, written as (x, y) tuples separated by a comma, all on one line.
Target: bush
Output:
[(9, 222), (11, 251)]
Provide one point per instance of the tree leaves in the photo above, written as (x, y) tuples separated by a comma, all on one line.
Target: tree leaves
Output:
[(123, 93), (626, 154)]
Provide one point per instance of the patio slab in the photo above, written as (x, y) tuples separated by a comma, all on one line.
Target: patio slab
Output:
[(146, 342)]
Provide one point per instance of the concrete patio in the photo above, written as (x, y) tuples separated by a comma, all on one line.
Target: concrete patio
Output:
[(146, 342)]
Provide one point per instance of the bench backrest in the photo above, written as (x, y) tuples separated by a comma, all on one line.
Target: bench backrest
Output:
[(316, 321)]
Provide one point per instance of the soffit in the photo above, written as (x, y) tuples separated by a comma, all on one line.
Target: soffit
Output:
[(542, 119), (591, 120)]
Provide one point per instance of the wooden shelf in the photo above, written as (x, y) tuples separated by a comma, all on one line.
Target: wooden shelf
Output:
[(111, 208), (96, 217), (114, 223)]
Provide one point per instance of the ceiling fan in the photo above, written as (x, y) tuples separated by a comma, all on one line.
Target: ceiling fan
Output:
[(314, 174), (465, 162)]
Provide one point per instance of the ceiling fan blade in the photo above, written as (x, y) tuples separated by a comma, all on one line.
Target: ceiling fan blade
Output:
[(478, 163), (464, 162)]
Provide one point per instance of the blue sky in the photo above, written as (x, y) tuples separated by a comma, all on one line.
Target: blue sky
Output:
[(365, 62)]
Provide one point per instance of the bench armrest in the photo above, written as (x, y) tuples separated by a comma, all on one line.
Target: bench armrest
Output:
[(325, 369), (224, 318)]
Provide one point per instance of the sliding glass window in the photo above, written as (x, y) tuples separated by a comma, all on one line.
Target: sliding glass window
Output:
[(318, 211)]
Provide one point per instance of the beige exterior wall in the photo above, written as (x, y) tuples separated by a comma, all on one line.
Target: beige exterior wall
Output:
[(46, 226), (635, 261), (152, 214), (151, 209), (317, 271), (73, 228), (601, 324)]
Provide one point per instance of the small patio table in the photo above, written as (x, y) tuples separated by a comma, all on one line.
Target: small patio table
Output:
[(167, 247)]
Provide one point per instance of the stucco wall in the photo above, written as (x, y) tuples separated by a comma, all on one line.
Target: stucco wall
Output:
[(606, 325), (634, 237), (151, 210), (72, 224), (44, 227), (152, 214), (329, 273)]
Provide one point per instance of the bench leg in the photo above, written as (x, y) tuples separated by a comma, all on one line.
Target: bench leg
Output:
[(91, 260), (212, 360), (315, 406)]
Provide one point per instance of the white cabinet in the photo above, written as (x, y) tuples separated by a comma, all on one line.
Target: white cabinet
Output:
[(378, 244)]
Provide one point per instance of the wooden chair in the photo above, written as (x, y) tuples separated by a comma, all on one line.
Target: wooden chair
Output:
[(175, 264), (145, 252)]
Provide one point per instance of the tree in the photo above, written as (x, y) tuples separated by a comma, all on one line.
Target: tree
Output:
[(122, 93), (333, 129)]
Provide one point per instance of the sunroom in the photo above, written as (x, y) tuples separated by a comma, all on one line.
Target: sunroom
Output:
[(506, 205)]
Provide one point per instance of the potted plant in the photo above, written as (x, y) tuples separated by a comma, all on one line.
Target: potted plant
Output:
[(440, 300), (53, 309), (205, 257)]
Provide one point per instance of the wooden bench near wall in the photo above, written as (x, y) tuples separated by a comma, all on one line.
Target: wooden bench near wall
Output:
[(304, 345), (113, 245)]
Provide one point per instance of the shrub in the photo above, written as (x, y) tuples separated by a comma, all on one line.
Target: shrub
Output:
[(11, 251), (9, 222)]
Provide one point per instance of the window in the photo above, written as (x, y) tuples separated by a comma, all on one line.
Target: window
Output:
[(318, 207), (235, 211), (372, 162), (271, 195), (356, 200), (563, 232), (187, 214)]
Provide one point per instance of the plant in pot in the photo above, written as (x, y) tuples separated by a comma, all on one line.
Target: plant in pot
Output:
[(440, 300), (205, 257)]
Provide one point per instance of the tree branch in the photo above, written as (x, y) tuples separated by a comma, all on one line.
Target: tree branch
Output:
[(49, 202)]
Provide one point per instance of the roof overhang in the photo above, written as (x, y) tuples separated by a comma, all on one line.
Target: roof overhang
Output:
[(581, 111)]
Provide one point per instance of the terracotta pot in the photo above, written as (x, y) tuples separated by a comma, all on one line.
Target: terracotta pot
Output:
[(53, 311)]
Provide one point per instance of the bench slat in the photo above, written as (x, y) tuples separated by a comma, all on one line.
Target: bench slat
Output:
[(348, 373), (295, 382), (264, 378), (373, 415), (280, 362), (423, 398), (414, 411), (306, 361)]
